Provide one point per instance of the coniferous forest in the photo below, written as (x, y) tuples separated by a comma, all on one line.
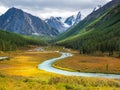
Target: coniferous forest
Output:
[(11, 41)]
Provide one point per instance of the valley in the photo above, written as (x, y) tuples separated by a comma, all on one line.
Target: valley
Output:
[(73, 52), (22, 70)]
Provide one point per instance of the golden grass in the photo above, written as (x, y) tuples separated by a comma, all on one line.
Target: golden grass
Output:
[(25, 63), (57, 83), (21, 73), (84, 63)]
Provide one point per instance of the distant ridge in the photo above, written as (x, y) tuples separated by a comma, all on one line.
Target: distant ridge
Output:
[(63, 24)]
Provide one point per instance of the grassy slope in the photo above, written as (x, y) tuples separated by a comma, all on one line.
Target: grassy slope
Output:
[(11, 41), (89, 19), (106, 26), (73, 31), (81, 29)]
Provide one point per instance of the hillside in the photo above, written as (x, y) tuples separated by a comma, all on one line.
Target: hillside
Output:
[(10, 41), (101, 34), (86, 21)]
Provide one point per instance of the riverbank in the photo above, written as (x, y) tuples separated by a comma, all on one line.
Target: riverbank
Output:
[(93, 64), (47, 66)]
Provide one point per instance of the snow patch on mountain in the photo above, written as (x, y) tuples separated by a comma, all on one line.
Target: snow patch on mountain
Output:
[(97, 7), (17, 21), (63, 24)]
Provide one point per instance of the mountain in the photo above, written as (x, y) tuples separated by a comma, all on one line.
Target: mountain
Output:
[(62, 25), (96, 8), (78, 18), (99, 31), (56, 22), (87, 20), (11, 41), (70, 20), (18, 21), (74, 19)]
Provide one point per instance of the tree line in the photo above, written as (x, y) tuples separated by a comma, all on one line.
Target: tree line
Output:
[(10, 41)]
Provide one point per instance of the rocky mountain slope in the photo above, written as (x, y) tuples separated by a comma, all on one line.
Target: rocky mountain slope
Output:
[(74, 19), (62, 25), (18, 21), (56, 22)]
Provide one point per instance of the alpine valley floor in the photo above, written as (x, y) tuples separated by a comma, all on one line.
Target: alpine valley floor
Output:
[(21, 72)]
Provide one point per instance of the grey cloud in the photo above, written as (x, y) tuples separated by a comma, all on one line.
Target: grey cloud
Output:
[(58, 4), (44, 6)]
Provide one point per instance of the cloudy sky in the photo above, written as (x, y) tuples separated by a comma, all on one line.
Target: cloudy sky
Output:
[(47, 8)]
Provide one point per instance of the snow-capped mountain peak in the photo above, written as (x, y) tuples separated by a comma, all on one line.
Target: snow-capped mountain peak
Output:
[(78, 18), (70, 20), (74, 19), (62, 24), (97, 7), (56, 22)]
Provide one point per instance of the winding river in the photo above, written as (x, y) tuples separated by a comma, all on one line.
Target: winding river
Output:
[(47, 66)]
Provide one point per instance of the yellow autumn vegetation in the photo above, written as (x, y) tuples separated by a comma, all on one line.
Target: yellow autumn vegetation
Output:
[(21, 72)]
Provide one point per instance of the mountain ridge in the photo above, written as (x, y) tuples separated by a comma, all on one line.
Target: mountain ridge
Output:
[(88, 19), (63, 25), (17, 21)]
